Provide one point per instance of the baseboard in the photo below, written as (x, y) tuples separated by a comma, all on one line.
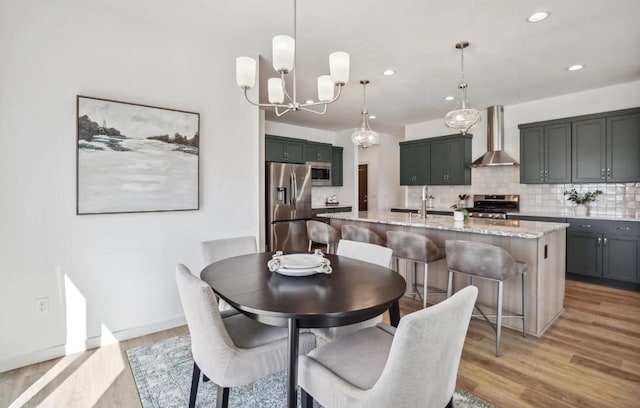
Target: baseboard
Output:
[(93, 342)]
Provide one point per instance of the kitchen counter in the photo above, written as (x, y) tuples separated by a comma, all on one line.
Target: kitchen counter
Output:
[(541, 245), (431, 210), (569, 214), (332, 207), (505, 228)]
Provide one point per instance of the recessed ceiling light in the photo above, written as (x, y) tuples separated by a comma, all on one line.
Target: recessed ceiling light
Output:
[(537, 17), (449, 98), (372, 116), (388, 72), (309, 101), (576, 67)]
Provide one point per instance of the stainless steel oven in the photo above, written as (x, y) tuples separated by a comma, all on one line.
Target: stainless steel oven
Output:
[(320, 174)]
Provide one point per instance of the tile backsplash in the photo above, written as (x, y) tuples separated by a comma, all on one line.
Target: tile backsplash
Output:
[(619, 199)]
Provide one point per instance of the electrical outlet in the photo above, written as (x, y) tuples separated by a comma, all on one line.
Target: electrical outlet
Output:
[(42, 305)]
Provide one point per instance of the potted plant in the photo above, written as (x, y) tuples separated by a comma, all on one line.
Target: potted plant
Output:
[(459, 212), (581, 200), (463, 200)]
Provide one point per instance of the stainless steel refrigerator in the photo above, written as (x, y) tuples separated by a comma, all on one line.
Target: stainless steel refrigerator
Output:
[(288, 194)]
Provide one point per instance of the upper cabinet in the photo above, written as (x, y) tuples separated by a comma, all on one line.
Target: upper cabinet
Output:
[(336, 165), (442, 160), (284, 149), (545, 154), (317, 152), (595, 148)]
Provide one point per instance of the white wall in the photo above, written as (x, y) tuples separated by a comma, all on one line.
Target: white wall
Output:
[(383, 165), (618, 199), (319, 194), (121, 265)]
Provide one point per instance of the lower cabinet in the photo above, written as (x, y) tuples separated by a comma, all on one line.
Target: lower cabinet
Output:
[(620, 257), (584, 253)]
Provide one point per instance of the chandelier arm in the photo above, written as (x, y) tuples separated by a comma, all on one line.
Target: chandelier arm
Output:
[(284, 88), (322, 112), (278, 113), (262, 105)]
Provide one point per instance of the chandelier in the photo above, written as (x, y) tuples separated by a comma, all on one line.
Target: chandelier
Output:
[(365, 137), (284, 58), (462, 118)]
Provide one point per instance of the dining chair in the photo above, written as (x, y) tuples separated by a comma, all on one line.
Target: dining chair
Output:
[(322, 233), (413, 366), (374, 254), (361, 234), (234, 351), (219, 249)]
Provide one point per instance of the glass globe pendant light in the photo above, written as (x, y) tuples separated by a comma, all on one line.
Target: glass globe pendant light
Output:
[(462, 118), (365, 137)]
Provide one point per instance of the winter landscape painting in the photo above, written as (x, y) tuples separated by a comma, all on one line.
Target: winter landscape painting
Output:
[(135, 158)]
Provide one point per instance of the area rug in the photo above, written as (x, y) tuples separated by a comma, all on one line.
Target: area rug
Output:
[(162, 373)]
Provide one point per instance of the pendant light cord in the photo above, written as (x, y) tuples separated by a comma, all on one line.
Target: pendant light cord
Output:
[(462, 62)]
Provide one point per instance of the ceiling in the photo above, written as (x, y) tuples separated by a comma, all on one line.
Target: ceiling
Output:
[(509, 61)]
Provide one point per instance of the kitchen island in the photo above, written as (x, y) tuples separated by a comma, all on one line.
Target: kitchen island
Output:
[(541, 245)]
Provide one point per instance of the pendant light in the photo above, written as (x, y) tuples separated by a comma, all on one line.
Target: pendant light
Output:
[(462, 118), (365, 137)]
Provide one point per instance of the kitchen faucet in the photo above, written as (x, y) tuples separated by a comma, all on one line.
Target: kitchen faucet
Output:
[(423, 208)]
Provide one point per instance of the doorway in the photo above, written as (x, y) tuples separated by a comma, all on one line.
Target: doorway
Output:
[(363, 171)]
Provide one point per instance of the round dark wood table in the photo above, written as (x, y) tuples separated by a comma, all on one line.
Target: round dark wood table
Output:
[(354, 292)]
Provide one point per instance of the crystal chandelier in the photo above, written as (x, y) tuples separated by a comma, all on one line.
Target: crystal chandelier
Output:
[(462, 118), (284, 58), (365, 137)]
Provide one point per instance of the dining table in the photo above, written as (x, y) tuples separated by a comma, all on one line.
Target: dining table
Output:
[(353, 292)]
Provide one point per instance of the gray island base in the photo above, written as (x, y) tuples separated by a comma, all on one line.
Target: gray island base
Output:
[(541, 245)]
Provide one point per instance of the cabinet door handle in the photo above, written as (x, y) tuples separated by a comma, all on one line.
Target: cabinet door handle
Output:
[(546, 174), (623, 228), (541, 175), (608, 172), (602, 174), (584, 225), (599, 241), (605, 242)]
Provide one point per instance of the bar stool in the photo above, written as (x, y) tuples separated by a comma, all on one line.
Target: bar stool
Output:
[(415, 248), (322, 233), (485, 261), (361, 234)]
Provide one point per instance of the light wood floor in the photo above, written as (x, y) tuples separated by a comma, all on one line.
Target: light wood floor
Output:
[(589, 358)]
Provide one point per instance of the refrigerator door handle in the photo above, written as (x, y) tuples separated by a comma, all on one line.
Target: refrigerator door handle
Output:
[(292, 188)]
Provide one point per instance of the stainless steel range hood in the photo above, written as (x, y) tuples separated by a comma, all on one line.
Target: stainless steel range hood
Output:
[(495, 156)]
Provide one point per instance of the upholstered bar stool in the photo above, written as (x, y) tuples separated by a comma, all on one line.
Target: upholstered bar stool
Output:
[(415, 248), (485, 261), (361, 234), (323, 234)]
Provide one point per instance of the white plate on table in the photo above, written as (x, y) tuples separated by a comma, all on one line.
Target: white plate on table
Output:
[(300, 261)]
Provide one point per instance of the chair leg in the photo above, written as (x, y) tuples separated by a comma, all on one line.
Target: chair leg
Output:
[(499, 319), (306, 400), (328, 248), (450, 403), (309, 246), (450, 284), (195, 379), (222, 400), (425, 288), (524, 308)]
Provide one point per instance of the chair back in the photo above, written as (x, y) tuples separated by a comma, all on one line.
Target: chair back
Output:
[(361, 234), (362, 251), (218, 249), (321, 233), (425, 353), (477, 258), (415, 247), (211, 344)]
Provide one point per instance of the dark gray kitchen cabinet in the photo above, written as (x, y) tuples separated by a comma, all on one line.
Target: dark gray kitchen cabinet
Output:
[(623, 148), (588, 151), (451, 160), (545, 154), (317, 152), (337, 165), (415, 163), (283, 149), (584, 253), (620, 257)]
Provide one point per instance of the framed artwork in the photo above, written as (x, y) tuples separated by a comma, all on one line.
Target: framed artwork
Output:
[(135, 158)]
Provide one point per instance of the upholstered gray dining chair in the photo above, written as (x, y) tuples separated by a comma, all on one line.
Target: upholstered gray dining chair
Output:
[(372, 367), (233, 351), (374, 254), (322, 234), (361, 234), (219, 249), (484, 261)]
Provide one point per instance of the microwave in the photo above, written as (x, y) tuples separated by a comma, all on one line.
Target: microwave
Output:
[(320, 174)]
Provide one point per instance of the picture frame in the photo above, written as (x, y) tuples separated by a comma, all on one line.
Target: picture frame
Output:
[(135, 158)]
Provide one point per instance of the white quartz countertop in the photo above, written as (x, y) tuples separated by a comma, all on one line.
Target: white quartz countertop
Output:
[(569, 214), (507, 228)]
